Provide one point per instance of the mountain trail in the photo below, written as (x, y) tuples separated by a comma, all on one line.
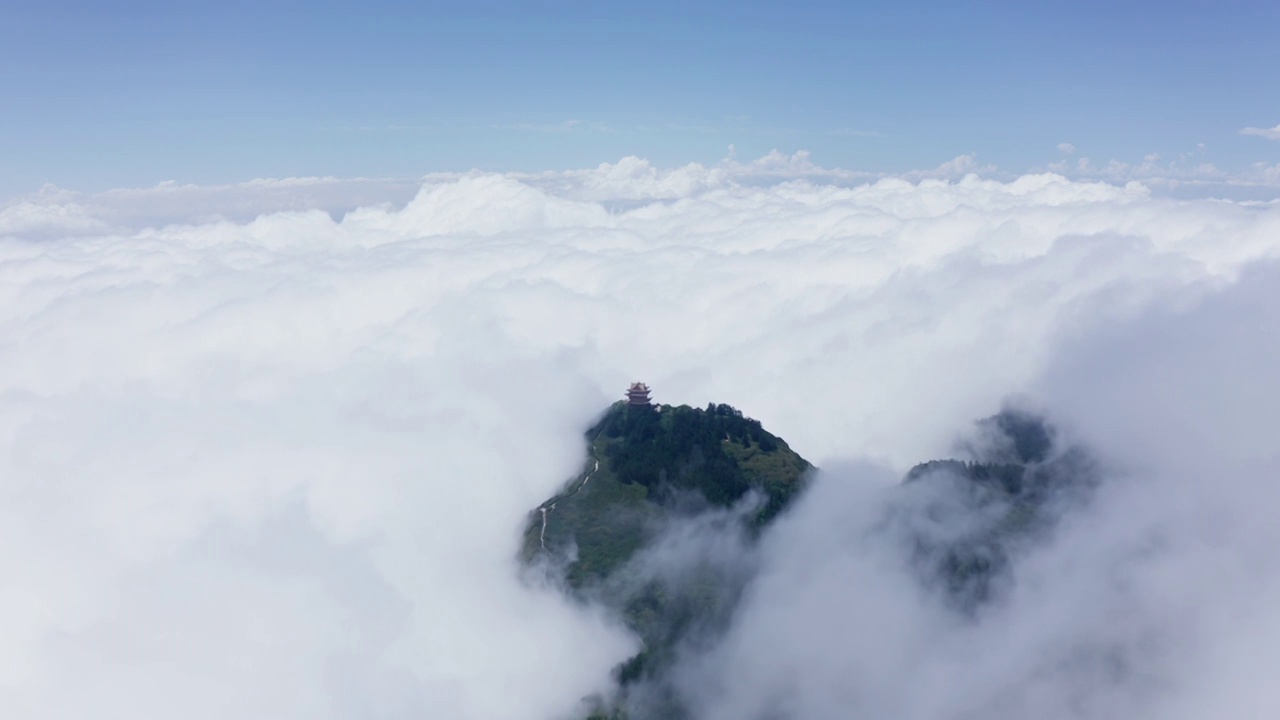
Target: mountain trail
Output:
[(542, 536)]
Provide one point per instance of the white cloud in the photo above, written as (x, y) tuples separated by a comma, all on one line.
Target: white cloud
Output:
[(55, 210), (953, 169), (1066, 148), (1268, 133), (277, 466), (27, 218), (1158, 602), (624, 184), (1188, 175)]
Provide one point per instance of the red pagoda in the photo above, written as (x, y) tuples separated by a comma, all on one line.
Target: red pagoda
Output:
[(638, 394)]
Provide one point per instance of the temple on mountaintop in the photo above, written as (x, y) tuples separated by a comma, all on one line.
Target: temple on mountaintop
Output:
[(638, 394)]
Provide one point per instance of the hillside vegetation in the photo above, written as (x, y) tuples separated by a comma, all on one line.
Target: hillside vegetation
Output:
[(647, 468), (646, 463), (710, 475)]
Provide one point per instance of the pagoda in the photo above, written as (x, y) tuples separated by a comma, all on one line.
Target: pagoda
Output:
[(638, 394)]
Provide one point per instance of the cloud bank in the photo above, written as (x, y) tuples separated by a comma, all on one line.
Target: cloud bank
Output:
[(1157, 601), (275, 464)]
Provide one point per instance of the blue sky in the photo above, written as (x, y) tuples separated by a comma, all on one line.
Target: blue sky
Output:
[(98, 95)]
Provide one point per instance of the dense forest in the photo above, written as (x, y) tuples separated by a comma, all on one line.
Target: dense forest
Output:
[(716, 453)]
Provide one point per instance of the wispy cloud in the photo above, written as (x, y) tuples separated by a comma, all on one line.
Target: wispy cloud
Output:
[(1188, 174), (730, 124), (853, 132), (1268, 133), (953, 169), (386, 127), (567, 126)]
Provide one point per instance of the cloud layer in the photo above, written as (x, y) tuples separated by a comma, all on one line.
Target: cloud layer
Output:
[(1157, 601), (275, 464)]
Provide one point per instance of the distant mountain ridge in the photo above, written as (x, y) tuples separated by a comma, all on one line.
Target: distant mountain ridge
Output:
[(1019, 481)]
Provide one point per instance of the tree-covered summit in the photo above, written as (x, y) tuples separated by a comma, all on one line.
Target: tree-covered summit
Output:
[(649, 462), (649, 468), (715, 452)]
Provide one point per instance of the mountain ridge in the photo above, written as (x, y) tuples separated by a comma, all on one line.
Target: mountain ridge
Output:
[(636, 531)]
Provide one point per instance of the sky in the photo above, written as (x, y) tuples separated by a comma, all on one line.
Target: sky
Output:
[(130, 94)]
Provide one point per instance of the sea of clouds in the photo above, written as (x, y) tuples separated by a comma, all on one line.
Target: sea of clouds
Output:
[(266, 450)]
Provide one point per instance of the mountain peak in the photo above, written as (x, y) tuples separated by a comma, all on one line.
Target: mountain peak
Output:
[(645, 460), (649, 467)]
